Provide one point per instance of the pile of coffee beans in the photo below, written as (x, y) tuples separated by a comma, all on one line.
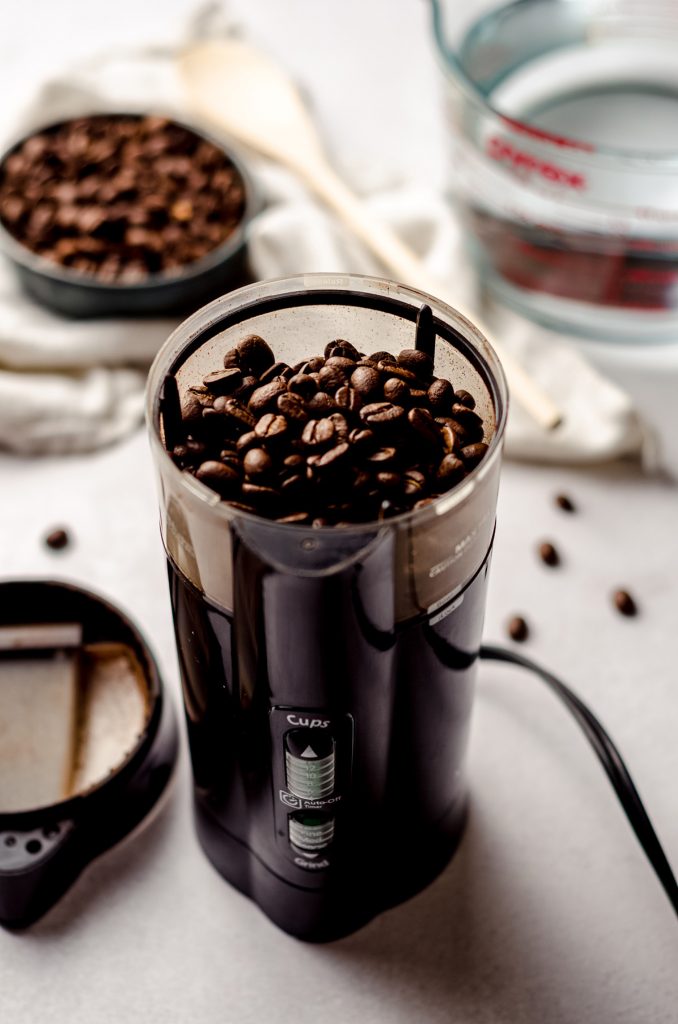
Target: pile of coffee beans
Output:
[(120, 197), (338, 438)]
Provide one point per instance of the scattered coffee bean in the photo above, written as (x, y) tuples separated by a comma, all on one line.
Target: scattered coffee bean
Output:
[(625, 604), (565, 503), (234, 413), (549, 554), (57, 539), (518, 629)]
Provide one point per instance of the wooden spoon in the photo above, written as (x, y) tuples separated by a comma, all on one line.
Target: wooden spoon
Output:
[(243, 92)]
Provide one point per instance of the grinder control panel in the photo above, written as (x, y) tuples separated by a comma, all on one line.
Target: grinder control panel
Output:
[(311, 766)]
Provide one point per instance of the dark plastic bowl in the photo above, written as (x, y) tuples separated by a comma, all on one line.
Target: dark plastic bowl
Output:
[(77, 294)]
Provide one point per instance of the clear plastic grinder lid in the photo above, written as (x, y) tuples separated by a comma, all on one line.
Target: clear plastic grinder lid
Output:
[(435, 549)]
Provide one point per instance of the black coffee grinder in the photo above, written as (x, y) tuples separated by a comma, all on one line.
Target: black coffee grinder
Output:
[(328, 673)]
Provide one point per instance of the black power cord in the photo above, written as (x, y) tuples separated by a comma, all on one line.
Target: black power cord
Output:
[(612, 762)]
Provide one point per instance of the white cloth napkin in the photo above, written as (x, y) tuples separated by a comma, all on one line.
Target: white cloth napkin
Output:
[(72, 386)]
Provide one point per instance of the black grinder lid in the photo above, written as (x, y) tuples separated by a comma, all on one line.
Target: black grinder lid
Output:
[(44, 849)]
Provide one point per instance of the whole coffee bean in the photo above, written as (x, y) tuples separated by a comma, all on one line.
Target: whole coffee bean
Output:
[(454, 437), (255, 354), (470, 420), (231, 459), (348, 398), (257, 463), (303, 385), (424, 426), (246, 389), (518, 629), (320, 405), (295, 519), (396, 390), (361, 439), (361, 480), (331, 459), (313, 365), (382, 458), (472, 454), (271, 427), (235, 414), (441, 396), (261, 497), (276, 371), (450, 471), (219, 477), (330, 378), (293, 462), (382, 357), (549, 554), (414, 483), (318, 433), (223, 382), (565, 503), (340, 347), (389, 481), (246, 441), (341, 430), (419, 363), (342, 363), (266, 396), (190, 453), (382, 415), (624, 603), (292, 407), (395, 370), (366, 381), (294, 485), (192, 406), (232, 359), (463, 398), (57, 539)]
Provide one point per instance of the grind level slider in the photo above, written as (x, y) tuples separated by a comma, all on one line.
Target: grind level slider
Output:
[(310, 832), (309, 764)]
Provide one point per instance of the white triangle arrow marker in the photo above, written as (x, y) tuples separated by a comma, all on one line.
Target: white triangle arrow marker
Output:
[(309, 752)]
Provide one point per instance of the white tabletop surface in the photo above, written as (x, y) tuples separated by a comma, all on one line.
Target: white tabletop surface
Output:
[(549, 912)]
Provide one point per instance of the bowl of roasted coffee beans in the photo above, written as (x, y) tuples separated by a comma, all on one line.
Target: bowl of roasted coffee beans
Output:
[(124, 215)]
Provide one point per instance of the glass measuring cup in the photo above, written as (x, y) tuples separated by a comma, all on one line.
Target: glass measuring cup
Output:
[(367, 632), (566, 161)]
